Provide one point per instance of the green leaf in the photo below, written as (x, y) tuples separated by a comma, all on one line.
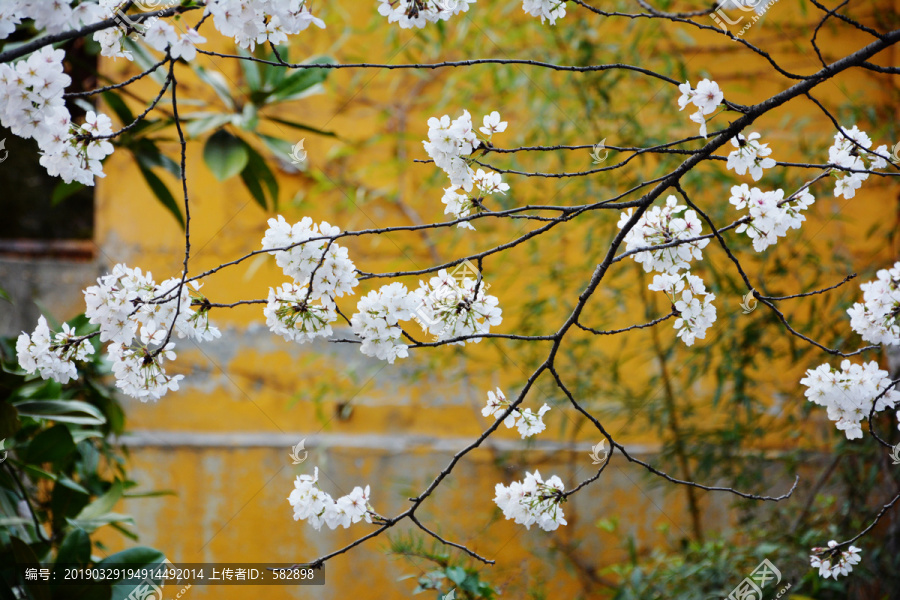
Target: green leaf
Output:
[(95, 523), (217, 82), (277, 146), (259, 178), (225, 154), (456, 574), (199, 126), (149, 156), (302, 127), (250, 70), (50, 446), (75, 548), (64, 411), (134, 558), (104, 503), (163, 194), (298, 84), (63, 190)]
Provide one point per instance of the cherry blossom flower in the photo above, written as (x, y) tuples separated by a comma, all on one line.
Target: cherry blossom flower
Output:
[(418, 13), (318, 508), (52, 357), (849, 394), (749, 156), (770, 215), (527, 422), (877, 318), (533, 501), (547, 10), (291, 314), (843, 566), (376, 323), (662, 225)]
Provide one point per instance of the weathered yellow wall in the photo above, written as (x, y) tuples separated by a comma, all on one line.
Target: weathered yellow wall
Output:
[(222, 442)]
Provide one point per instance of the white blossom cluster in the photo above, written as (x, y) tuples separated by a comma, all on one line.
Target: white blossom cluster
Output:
[(707, 98), (291, 314), (319, 508), (462, 204), (135, 315), (876, 318), (52, 357), (294, 311), (533, 501), (850, 393), (161, 35), (751, 155), (33, 107), (844, 153), (696, 311), (417, 13), (449, 309), (770, 215), (335, 276), (50, 17), (663, 225), (260, 21), (376, 323), (450, 141), (527, 422), (843, 566), (547, 10)]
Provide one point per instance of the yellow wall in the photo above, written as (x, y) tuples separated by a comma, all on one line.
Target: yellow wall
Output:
[(222, 442)]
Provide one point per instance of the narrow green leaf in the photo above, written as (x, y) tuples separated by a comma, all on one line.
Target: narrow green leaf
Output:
[(302, 127), (65, 411), (250, 70), (225, 154), (300, 81), (259, 178), (197, 127), (163, 194), (218, 83), (104, 503)]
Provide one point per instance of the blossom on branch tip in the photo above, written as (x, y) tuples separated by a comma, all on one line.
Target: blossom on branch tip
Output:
[(749, 156), (52, 357), (533, 501), (527, 422), (417, 13), (877, 318), (317, 507), (842, 566), (547, 10)]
